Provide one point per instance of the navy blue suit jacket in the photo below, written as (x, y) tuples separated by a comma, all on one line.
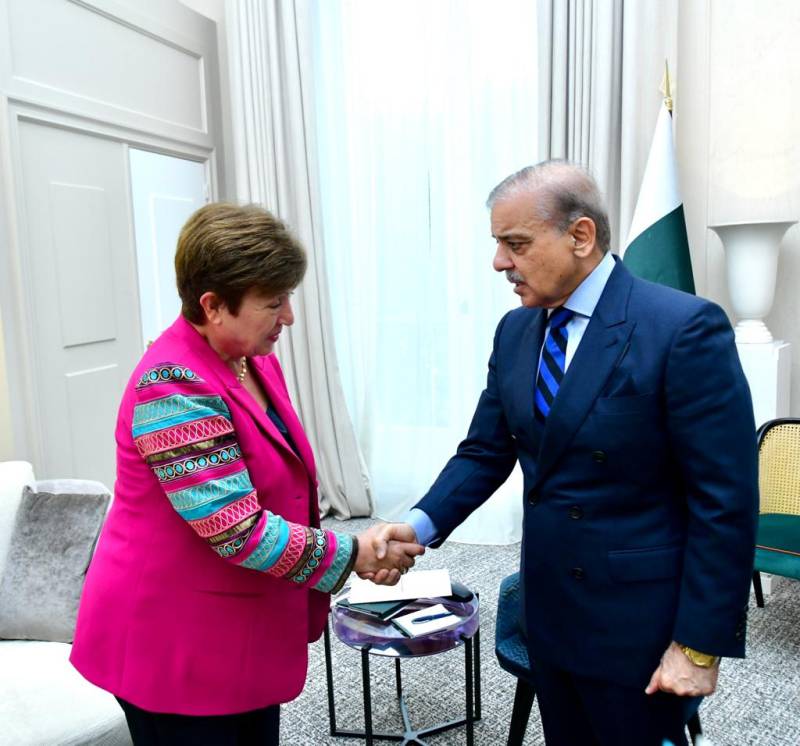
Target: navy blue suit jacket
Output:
[(641, 491)]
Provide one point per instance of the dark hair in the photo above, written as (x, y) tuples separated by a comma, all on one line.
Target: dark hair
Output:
[(567, 191), (229, 250)]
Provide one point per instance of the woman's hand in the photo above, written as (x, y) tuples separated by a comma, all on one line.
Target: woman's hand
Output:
[(382, 560)]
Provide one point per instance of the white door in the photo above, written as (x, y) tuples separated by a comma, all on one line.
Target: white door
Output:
[(83, 296), (81, 85), (165, 192)]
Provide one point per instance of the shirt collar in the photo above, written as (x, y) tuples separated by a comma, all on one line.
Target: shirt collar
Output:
[(584, 298)]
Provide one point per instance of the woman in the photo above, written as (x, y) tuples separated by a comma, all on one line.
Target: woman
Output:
[(211, 575)]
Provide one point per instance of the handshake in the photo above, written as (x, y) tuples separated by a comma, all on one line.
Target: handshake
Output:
[(386, 551)]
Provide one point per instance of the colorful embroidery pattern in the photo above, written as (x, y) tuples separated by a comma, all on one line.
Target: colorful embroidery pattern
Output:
[(238, 528), (268, 550), (293, 551), (166, 373), (228, 516), (333, 575), (173, 410), (180, 469), (190, 432), (185, 433), (312, 559), (229, 488), (193, 448), (235, 545)]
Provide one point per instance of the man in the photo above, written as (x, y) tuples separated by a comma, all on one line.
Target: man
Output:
[(626, 406)]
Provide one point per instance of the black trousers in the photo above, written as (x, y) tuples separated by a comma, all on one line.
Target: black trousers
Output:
[(254, 728), (577, 710)]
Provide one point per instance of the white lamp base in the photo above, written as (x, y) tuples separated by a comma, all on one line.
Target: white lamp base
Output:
[(752, 331), (767, 368)]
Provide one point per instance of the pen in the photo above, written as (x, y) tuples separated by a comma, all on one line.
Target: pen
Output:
[(431, 617)]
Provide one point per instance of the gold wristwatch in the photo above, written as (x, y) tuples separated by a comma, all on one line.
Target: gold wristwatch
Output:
[(704, 660)]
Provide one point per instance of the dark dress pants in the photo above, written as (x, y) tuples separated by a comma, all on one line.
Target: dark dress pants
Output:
[(578, 711), (255, 728)]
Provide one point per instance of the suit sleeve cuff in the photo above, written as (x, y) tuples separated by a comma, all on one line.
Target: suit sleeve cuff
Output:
[(423, 526)]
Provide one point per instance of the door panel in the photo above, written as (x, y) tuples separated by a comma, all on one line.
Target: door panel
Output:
[(80, 240), (165, 190), (82, 291)]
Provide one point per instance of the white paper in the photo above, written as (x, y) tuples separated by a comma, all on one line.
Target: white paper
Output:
[(414, 584), (417, 629)]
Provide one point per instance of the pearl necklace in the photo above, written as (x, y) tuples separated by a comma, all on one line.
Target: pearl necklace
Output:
[(242, 370)]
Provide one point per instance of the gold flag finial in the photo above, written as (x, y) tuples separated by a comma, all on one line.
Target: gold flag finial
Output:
[(666, 88)]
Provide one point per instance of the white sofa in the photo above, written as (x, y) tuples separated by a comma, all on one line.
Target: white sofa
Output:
[(44, 701)]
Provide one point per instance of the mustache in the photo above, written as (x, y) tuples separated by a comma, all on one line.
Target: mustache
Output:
[(513, 276)]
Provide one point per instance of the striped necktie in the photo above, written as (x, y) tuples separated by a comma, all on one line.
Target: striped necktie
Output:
[(552, 363)]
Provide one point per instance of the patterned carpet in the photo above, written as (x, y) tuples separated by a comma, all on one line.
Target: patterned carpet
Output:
[(757, 702)]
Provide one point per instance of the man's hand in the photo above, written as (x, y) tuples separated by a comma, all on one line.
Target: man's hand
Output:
[(676, 674), (385, 553)]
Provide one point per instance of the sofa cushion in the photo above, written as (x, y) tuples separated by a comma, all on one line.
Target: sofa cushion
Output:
[(14, 475), (44, 700), (52, 541)]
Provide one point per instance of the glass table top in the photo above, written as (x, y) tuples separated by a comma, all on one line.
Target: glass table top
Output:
[(359, 630)]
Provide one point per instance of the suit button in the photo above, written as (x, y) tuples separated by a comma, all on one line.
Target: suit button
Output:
[(575, 513), (577, 573), (533, 497), (599, 457)]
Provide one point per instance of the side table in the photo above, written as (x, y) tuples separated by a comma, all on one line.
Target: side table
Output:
[(373, 636)]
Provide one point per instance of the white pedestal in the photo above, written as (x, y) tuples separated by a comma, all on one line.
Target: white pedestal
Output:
[(767, 368)]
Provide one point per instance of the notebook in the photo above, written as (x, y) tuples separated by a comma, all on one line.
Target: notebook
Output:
[(379, 610), (415, 584), (426, 621)]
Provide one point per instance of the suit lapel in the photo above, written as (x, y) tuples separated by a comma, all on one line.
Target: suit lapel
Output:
[(602, 347), (276, 393), (242, 397)]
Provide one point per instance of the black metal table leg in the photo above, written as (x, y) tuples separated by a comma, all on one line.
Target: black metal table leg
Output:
[(468, 685), (329, 679), (367, 694), (398, 678), (477, 639), (409, 737)]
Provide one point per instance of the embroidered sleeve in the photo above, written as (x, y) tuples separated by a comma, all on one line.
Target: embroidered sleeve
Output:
[(185, 434)]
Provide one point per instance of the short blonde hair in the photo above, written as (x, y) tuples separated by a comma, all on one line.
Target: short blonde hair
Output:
[(230, 250)]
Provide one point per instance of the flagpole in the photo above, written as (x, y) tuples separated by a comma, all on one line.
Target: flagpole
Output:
[(666, 89)]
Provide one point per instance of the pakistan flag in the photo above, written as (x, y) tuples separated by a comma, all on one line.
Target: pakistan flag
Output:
[(658, 247)]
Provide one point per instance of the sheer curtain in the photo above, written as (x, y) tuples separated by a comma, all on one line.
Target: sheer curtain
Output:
[(600, 64), (421, 109), (273, 135)]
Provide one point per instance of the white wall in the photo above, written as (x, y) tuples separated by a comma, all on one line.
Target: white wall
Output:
[(737, 114), (6, 446)]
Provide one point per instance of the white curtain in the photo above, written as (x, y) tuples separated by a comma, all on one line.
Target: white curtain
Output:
[(274, 149), (422, 107), (601, 63)]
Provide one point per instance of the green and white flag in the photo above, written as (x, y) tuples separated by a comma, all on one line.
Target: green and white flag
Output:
[(658, 246)]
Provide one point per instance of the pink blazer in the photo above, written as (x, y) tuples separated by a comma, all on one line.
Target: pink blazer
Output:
[(207, 584)]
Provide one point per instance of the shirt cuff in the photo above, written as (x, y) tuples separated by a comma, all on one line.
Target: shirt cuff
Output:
[(423, 526)]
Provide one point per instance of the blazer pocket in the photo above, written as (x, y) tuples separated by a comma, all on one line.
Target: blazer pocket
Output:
[(627, 405), (636, 565)]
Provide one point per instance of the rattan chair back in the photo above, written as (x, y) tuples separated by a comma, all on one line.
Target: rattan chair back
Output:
[(779, 467)]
